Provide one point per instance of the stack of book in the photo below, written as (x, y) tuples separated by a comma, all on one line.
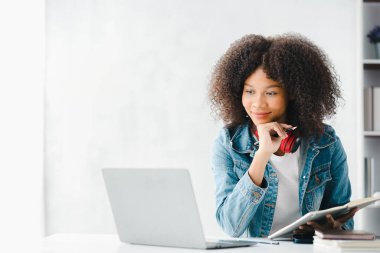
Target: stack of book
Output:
[(346, 241), (372, 108)]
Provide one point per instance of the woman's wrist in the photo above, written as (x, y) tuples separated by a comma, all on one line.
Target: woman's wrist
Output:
[(257, 168), (263, 154)]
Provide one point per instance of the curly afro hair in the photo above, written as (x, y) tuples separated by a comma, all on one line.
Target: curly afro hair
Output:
[(292, 60)]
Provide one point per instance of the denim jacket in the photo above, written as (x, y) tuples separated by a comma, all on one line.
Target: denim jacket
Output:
[(245, 209)]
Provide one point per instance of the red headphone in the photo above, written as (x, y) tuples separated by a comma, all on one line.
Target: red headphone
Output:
[(288, 145)]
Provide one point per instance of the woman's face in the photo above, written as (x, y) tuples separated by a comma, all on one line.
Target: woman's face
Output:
[(264, 100)]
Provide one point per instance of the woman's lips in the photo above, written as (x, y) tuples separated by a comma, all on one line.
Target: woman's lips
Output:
[(260, 115)]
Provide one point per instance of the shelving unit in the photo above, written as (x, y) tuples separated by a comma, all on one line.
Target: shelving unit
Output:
[(370, 11), (368, 139), (371, 133), (371, 63)]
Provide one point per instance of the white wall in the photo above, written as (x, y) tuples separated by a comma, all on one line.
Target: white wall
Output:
[(22, 46), (127, 83)]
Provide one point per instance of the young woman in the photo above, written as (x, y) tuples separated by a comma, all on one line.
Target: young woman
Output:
[(266, 89)]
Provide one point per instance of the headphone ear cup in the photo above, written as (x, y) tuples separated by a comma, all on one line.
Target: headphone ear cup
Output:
[(296, 144), (290, 144)]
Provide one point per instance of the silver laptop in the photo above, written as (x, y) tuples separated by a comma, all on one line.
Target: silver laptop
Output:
[(158, 207)]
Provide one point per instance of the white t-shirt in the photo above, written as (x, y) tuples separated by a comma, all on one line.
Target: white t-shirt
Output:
[(287, 208)]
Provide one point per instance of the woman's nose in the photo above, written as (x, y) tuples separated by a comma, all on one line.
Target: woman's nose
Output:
[(258, 101)]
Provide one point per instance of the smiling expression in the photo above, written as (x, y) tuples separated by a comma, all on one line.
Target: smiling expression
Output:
[(264, 99)]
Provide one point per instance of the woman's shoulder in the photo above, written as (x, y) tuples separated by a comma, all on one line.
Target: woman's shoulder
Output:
[(233, 131), (326, 138), (329, 131), (237, 136)]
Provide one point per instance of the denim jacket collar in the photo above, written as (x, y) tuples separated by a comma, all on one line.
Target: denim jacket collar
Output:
[(241, 139)]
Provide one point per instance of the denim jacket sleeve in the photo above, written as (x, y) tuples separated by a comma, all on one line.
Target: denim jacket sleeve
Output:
[(236, 199), (338, 190)]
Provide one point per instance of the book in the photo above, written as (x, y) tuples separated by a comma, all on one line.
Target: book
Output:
[(345, 234), (369, 176), (353, 245), (376, 108), (317, 215), (368, 109)]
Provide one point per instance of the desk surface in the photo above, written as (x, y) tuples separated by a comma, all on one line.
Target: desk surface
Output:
[(71, 243), (75, 243)]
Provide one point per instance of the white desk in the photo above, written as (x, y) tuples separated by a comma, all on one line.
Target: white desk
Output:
[(91, 243)]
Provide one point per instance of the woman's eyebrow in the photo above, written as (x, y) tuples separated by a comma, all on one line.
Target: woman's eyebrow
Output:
[(274, 86), (270, 86)]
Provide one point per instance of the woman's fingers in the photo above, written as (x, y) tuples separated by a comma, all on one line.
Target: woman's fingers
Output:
[(315, 225), (280, 131), (286, 126), (279, 128), (270, 136), (345, 217), (306, 228), (331, 223)]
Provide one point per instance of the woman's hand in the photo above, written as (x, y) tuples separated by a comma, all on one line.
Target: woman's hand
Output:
[(330, 224), (267, 143)]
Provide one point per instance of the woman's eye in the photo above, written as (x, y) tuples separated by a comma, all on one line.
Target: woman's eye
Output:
[(249, 91), (271, 93)]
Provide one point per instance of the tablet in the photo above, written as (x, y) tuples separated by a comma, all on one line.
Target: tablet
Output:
[(316, 215)]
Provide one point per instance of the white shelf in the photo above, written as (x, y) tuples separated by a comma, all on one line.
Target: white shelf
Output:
[(372, 133), (371, 61)]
